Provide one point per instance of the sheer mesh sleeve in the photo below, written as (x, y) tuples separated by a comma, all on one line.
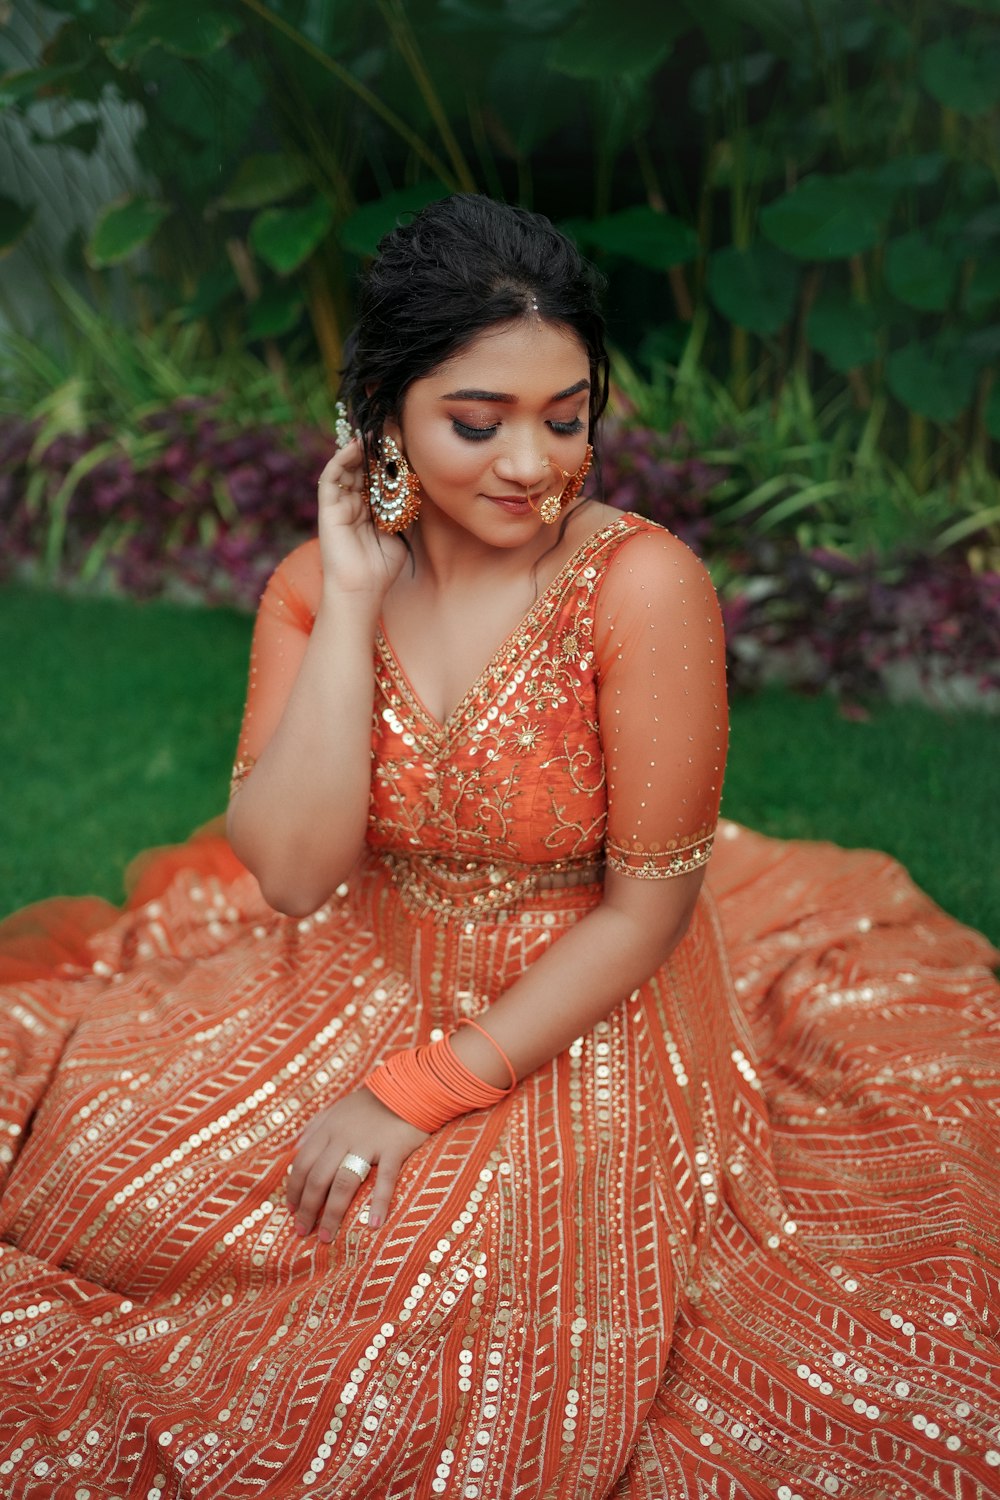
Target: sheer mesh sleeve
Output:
[(661, 705), (281, 633)]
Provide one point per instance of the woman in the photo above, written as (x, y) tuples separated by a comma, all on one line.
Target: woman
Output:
[(698, 1200)]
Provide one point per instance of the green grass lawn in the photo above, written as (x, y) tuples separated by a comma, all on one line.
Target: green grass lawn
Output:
[(119, 722)]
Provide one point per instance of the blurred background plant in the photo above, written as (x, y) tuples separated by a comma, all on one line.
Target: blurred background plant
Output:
[(795, 202)]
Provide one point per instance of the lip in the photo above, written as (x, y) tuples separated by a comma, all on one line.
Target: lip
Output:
[(517, 504)]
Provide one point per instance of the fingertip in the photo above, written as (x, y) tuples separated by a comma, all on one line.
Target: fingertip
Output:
[(374, 1221)]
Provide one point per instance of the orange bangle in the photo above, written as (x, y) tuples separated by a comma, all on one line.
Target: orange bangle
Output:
[(429, 1085), (466, 1021)]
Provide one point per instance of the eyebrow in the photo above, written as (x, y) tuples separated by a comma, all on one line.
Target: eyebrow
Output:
[(508, 400)]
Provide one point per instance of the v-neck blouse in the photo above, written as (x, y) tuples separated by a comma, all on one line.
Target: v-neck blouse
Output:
[(563, 717), (597, 729), (565, 573)]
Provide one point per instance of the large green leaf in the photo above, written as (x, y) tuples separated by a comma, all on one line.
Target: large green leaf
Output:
[(15, 219), (930, 382), (368, 224), (843, 331), (640, 234), (216, 102), (123, 228), (185, 27), (920, 273), (609, 40), (964, 75), (265, 179), (286, 237), (754, 288), (276, 312), (827, 218)]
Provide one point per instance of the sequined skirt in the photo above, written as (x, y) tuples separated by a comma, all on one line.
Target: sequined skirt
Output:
[(664, 1266)]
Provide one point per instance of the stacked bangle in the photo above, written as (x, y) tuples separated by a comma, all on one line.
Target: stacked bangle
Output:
[(428, 1085)]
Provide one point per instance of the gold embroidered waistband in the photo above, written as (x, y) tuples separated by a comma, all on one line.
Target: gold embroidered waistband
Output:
[(449, 888)]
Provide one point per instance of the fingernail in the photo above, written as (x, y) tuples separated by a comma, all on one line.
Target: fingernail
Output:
[(302, 1229), (324, 1236), (374, 1221)]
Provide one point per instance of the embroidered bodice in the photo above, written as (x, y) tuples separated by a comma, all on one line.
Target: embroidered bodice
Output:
[(596, 730)]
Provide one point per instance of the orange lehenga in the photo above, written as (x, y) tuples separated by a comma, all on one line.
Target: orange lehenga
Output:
[(739, 1240)]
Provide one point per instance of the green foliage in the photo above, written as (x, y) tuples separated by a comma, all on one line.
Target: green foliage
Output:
[(286, 237), (777, 189), (807, 464), (15, 219), (641, 234), (117, 376), (123, 228), (755, 288)]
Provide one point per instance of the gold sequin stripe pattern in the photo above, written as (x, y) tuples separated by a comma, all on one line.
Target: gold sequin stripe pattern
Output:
[(644, 864), (815, 1296)]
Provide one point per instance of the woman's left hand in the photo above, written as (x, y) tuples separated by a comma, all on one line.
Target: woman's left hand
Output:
[(321, 1189)]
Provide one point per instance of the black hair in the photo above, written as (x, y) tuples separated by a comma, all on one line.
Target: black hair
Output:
[(461, 266)]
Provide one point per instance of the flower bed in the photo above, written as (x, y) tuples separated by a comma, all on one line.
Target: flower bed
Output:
[(189, 506)]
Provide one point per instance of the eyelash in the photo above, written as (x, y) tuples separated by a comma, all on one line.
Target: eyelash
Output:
[(482, 434)]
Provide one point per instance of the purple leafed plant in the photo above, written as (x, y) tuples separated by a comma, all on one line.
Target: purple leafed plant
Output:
[(191, 505), (196, 507)]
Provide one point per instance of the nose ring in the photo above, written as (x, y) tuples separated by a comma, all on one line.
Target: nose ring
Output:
[(550, 508)]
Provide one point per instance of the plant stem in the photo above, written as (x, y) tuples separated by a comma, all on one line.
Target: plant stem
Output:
[(402, 34), (374, 103)]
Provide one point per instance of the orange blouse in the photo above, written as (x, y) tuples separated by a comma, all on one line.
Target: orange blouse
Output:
[(597, 729)]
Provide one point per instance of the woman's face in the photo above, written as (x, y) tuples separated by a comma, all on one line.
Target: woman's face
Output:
[(504, 420)]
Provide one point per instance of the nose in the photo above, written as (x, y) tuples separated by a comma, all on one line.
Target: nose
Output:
[(524, 463)]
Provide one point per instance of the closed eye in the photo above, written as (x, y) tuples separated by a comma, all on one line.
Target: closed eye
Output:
[(482, 434), (474, 434)]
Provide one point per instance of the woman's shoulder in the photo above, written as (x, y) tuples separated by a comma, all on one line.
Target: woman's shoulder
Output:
[(648, 568), (648, 552)]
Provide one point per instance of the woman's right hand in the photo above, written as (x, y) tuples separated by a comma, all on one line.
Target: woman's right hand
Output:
[(357, 558)]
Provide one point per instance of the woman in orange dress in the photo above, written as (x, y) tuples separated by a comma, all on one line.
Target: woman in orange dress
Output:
[(441, 1133)]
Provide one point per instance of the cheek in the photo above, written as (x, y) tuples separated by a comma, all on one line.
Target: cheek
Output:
[(448, 462)]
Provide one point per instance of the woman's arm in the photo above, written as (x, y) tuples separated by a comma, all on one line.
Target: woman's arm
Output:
[(298, 820), (583, 976), (662, 710)]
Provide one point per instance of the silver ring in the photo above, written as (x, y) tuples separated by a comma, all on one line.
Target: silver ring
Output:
[(357, 1165)]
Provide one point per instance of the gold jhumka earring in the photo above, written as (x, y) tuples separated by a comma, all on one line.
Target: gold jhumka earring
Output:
[(394, 490), (552, 507)]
